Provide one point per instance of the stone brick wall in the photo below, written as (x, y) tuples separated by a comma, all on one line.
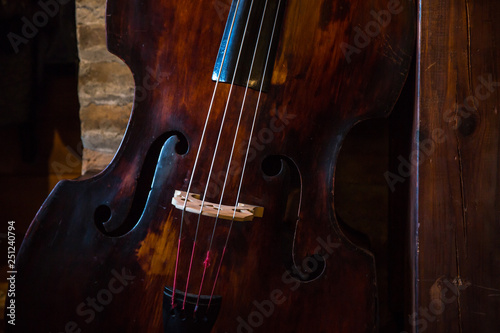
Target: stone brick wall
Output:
[(105, 88)]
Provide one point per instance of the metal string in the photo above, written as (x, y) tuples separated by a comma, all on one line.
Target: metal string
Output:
[(197, 157), (247, 152), (206, 261)]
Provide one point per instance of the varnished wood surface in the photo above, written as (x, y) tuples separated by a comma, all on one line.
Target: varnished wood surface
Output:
[(457, 194), (316, 96)]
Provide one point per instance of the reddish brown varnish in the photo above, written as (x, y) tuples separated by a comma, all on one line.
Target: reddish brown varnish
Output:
[(316, 97)]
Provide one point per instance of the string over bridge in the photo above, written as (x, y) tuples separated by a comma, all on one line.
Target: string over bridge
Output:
[(241, 212)]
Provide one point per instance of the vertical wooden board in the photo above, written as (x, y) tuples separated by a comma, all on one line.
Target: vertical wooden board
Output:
[(457, 201)]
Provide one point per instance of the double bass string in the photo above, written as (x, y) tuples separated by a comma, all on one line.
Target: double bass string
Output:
[(197, 157), (247, 151), (207, 259)]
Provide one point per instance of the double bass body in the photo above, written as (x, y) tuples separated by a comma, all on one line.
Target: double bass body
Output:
[(101, 251)]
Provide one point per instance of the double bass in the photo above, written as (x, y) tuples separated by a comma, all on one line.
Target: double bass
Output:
[(216, 213)]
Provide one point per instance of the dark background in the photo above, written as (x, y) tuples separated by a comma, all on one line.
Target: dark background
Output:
[(39, 123)]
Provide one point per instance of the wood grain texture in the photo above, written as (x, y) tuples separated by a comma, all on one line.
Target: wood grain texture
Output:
[(457, 203), (314, 100)]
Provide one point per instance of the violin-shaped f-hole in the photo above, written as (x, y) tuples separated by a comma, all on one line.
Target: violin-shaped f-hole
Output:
[(310, 267)]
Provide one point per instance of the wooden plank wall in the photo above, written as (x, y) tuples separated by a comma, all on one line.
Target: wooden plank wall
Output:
[(456, 202)]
